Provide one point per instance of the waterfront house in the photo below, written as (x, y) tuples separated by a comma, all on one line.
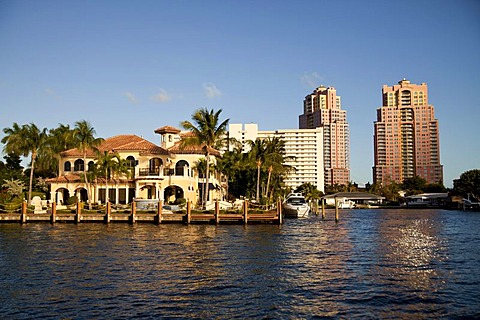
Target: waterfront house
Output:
[(158, 172)]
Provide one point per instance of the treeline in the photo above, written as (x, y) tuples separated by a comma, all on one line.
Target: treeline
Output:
[(257, 174)]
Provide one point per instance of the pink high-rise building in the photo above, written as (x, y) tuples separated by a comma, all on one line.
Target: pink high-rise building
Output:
[(406, 137), (322, 109)]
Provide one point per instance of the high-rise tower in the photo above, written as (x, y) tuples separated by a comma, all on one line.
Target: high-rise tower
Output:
[(322, 109), (406, 137)]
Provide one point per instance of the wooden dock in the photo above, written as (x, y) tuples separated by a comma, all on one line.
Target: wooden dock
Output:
[(132, 216)]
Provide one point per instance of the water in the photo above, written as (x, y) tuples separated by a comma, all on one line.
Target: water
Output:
[(379, 264)]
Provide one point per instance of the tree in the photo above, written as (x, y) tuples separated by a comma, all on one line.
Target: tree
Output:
[(84, 137), (58, 140), (105, 165), (257, 154), (469, 184), (14, 188), (414, 185), (12, 168), (25, 140), (208, 133), (309, 191), (274, 160)]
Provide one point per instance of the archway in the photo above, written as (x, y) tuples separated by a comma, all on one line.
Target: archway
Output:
[(61, 196), (154, 166), (173, 194), (81, 194), (182, 168)]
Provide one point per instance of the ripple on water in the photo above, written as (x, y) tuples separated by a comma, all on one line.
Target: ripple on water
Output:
[(372, 264)]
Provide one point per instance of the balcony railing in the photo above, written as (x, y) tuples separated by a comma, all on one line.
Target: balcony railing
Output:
[(144, 172)]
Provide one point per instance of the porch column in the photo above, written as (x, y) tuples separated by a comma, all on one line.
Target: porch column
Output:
[(116, 194), (136, 189), (127, 193)]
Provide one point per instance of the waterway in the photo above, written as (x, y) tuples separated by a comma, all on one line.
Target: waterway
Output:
[(373, 264)]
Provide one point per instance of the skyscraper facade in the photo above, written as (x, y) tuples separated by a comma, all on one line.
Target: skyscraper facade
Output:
[(406, 136), (322, 109)]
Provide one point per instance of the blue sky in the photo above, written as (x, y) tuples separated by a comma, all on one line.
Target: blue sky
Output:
[(129, 67)]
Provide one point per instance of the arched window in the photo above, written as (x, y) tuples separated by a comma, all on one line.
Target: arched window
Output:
[(91, 165), (67, 166), (131, 161), (78, 165), (181, 168), (154, 166)]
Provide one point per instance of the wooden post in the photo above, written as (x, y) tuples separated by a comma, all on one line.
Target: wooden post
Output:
[(323, 208), (54, 212), (217, 212), (133, 215), (159, 211), (336, 210), (108, 216), (245, 212), (78, 213), (279, 211), (23, 218), (189, 212)]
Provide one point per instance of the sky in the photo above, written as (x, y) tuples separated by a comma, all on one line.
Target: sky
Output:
[(130, 67)]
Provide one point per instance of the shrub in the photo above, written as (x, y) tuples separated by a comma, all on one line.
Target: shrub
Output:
[(72, 200)]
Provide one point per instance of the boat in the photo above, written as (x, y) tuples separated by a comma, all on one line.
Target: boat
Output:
[(295, 206)]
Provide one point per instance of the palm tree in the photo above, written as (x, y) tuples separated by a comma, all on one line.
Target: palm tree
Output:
[(207, 132), (59, 139), (25, 140), (84, 136), (229, 164), (105, 164), (274, 158), (111, 165), (257, 154)]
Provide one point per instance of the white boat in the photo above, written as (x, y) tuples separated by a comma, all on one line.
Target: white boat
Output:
[(295, 206)]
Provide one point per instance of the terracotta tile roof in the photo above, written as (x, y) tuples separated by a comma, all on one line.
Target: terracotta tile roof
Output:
[(167, 129), (186, 134), (73, 177), (70, 177), (126, 142), (191, 150)]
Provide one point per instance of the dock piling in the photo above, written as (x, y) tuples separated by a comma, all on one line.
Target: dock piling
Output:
[(189, 211), (54, 212), (336, 210), (133, 215), (279, 211), (217, 212), (78, 212), (108, 216), (323, 209), (24, 212), (245, 212), (159, 212)]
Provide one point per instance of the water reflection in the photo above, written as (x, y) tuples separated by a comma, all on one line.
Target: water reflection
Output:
[(372, 264)]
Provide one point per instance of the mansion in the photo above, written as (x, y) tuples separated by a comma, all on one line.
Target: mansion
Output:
[(166, 172)]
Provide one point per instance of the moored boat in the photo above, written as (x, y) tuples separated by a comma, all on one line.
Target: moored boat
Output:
[(295, 206)]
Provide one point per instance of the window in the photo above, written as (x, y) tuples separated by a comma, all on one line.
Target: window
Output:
[(78, 165), (67, 166), (131, 161)]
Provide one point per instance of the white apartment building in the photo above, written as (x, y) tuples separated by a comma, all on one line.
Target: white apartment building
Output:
[(305, 146)]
